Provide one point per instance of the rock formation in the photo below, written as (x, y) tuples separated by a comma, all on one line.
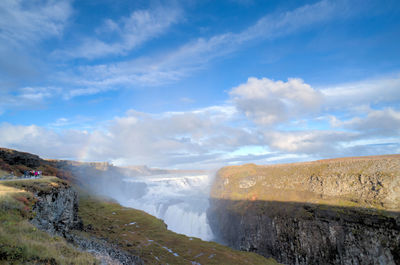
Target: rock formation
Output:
[(56, 212), (343, 211)]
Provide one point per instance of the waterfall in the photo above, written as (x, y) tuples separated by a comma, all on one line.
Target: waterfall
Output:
[(180, 200)]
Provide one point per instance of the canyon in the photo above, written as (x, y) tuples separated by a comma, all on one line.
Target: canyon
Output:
[(335, 211)]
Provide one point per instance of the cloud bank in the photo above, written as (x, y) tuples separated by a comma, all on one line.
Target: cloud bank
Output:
[(260, 120), (259, 113)]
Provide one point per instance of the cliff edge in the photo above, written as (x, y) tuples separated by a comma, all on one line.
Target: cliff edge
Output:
[(337, 211)]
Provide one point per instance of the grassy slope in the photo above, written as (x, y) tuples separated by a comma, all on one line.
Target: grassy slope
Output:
[(148, 237), (20, 241), (142, 234)]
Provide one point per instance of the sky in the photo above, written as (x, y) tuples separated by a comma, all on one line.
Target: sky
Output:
[(200, 84)]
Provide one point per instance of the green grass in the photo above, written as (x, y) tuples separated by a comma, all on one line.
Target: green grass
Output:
[(149, 238), (20, 241)]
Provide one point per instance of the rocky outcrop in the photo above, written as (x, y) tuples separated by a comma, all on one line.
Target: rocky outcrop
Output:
[(327, 212), (56, 212)]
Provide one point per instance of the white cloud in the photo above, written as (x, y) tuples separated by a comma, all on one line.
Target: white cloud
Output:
[(281, 24), (269, 102), (365, 92), (26, 98), (23, 23), (309, 141), (385, 122), (42, 141), (128, 33), (196, 54), (23, 26), (175, 136), (166, 139), (270, 26), (216, 135)]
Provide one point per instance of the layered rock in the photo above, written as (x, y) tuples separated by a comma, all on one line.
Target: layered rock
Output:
[(343, 211)]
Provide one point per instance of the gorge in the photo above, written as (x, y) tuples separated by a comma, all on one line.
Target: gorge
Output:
[(336, 211)]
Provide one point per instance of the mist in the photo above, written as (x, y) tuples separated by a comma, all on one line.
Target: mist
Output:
[(179, 198)]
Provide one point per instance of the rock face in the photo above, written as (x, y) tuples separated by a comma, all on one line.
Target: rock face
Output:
[(56, 212), (308, 234), (343, 211)]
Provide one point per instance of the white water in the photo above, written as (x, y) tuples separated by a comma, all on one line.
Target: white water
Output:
[(180, 200)]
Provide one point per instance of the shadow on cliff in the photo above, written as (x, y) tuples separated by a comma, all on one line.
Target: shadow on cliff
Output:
[(307, 233)]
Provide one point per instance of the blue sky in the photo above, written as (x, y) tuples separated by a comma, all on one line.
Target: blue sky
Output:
[(200, 84)]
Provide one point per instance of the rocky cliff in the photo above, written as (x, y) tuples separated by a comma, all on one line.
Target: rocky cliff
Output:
[(56, 212), (340, 211)]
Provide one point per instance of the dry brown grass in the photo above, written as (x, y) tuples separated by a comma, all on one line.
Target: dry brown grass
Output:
[(7, 191), (372, 182)]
